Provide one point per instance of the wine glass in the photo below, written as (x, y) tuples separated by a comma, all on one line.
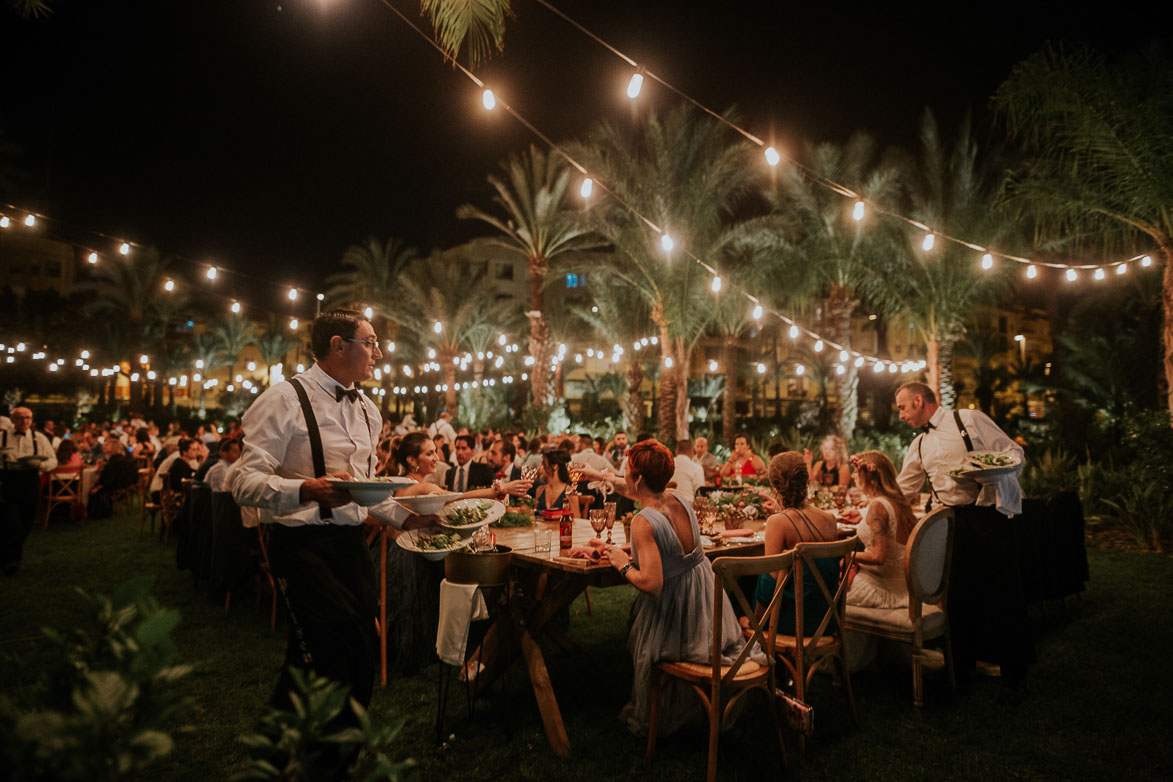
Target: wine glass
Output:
[(529, 473), (598, 518), (609, 509), (575, 471)]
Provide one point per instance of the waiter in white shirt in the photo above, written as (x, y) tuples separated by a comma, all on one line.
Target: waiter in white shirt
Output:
[(987, 608), (299, 434), (25, 455)]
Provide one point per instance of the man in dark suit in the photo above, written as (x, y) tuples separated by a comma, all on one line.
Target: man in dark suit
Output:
[(501, 458), (467, 474)]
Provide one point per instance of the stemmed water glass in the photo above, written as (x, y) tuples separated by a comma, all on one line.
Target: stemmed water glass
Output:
[(609, 509), (598, 518)]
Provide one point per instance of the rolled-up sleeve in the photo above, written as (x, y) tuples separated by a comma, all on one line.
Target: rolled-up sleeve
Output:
[(255, 483), (912, 474), (390, 512)]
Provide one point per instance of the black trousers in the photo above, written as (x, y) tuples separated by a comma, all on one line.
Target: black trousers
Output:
[(328, 580), (987, 605), (19, 490)]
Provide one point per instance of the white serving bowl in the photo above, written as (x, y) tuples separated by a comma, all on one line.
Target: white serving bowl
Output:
[(427, 504)]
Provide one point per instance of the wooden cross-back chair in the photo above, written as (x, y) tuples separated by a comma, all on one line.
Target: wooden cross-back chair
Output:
[(926, 570), (804, 650), (64, 488), (721, 686)]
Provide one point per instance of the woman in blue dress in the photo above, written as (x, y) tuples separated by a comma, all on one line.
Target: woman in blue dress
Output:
[(551, 494)]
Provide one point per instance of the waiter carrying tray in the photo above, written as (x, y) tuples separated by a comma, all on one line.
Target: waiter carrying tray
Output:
[(300, 433), (987, 609)]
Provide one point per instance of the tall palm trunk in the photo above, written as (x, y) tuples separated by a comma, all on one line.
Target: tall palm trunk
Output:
[(1166, 246), (680, 370), (667, 395), (633, 398), (450, 381), (729, 401), (948, 393), (840, 304), (539, 333), (933, 361)]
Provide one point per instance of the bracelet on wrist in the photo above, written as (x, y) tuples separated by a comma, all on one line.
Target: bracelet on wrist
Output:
[(623, 570)]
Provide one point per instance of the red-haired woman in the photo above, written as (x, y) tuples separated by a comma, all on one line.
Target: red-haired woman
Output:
[(672, 618), (880, 581)]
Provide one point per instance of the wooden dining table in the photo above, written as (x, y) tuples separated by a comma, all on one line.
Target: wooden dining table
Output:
[(542, 587)]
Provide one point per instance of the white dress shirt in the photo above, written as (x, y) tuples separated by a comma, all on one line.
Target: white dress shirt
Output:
[(164, 468), (942, 449), (217, 476), (276, 457), (15, 445), (689, 476)]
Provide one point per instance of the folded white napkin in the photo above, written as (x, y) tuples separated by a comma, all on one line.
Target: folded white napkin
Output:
[(460, 604), (1004, 492)]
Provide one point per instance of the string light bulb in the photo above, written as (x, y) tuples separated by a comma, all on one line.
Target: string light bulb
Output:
[(1121, 268), (1071, 275), (144, 359), (124, 248), (368, 313), (799, 370), (843, 355), (772, 156), (668, 362), (292, 294), (794, 332), (858, 362), (437, 327), (5, 222), (92, 258), (666, 243), (1099, 275), (212, 272), (635, 85), (293, 324), (1146, 261), (488, 100), (987, 261), (235, 308), (818, 346), (30, 220), (712, 365), (857, 211), (757, 312), (761, 368), (586, 188), (928, 242), (169, 286), (715, 286), (1031, 272)]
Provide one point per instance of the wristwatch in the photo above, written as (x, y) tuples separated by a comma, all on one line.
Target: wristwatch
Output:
[(623, 570)]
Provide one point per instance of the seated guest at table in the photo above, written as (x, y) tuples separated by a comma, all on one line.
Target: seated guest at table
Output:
[(228, 450), (385, 465), (551, 492), (468, 473), (702, 456), (743, 462), (880, 582), (688, 476), (68, 457), (832, 470), (143, 447), (501, 456), (119, 471), (672, 618), (181, 463), (796, 523), (533, 456), (584, 453)]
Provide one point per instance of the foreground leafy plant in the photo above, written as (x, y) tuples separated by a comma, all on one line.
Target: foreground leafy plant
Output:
[(101, 712), (308, 742)]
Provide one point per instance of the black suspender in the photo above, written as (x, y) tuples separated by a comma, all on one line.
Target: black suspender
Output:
[(315, 435), (964, 432), (968, 448)]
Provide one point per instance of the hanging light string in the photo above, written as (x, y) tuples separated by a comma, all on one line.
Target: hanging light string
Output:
[(773, 157), (667, 243), (11, 217)]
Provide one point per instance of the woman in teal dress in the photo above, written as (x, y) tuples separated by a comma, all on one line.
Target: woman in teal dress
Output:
[(796, 523)]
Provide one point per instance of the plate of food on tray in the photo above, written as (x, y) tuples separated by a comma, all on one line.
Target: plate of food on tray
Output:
[(470, 514), (432, 543), (987, 464)]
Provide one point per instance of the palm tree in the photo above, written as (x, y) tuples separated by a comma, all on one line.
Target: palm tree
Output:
[(370, 276), (234, 333), (1103, 154), (444, 291), (686, 174), (207, 357), (620, 317), (274, 345), (478, 28), (124, 288), (540, 227), (983, 346), (832, 252), (952, 191)]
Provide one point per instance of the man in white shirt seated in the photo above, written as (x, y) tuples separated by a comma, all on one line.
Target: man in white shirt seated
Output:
[(584, 453), (688, 475), (217, 475)]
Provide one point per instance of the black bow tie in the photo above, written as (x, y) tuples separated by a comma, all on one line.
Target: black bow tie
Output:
[(349, 393), (927, 428)]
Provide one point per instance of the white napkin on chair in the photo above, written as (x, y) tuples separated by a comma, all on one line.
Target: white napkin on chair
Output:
[(460, 604)]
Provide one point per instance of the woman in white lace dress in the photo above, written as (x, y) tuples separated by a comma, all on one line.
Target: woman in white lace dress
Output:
[(880, 581)]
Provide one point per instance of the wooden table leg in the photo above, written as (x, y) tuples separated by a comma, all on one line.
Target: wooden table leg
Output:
[(544, 693)]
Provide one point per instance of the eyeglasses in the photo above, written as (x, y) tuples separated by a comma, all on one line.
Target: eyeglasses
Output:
[(372, 343)]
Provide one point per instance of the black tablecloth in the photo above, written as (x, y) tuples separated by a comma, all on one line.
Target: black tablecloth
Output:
[(231, 560)]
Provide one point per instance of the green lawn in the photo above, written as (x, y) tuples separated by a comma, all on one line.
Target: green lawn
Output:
[(1096, 705)]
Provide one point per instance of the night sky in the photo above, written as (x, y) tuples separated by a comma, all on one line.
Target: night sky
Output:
[(269, 135)]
